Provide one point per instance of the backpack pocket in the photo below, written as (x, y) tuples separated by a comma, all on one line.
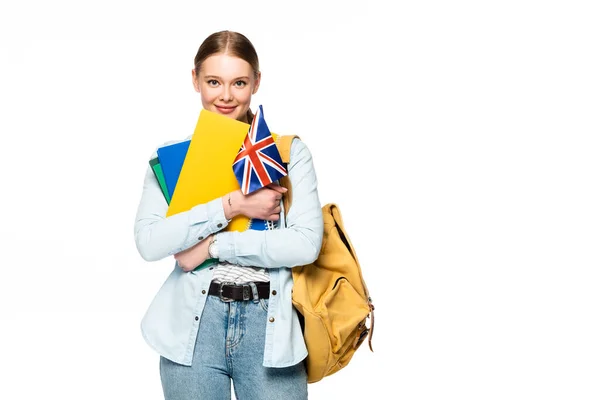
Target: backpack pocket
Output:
[(343, 309)]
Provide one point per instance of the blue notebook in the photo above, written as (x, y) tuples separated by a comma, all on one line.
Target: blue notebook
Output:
[(171, 159)]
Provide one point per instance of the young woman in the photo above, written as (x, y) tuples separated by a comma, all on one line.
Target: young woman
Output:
[(233, 321)]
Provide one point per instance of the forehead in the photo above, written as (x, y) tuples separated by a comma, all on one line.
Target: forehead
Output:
[(225, 66)]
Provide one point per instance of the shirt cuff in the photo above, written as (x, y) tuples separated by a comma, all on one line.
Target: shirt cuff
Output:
[(226, 241), (216, 215), (204, 220)]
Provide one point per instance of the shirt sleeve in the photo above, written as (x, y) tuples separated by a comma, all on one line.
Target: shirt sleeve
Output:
[(299, 242), (158, 236)]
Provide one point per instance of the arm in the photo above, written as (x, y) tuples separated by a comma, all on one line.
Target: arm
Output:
[(157, 236), (262, 204), (299, 243)]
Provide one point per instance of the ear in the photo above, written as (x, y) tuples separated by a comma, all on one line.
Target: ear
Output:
[(256, 83), (195, 81)]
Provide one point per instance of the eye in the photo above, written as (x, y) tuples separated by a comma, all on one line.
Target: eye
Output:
[(240, 84), (212, 82)]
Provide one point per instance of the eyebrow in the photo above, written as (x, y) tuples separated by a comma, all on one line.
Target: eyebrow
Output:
[(219, 78)]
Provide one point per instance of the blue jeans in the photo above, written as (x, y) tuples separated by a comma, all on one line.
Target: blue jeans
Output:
[(230, 345)]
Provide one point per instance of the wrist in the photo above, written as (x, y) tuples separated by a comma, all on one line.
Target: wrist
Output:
[(232, 203), (228, 206)]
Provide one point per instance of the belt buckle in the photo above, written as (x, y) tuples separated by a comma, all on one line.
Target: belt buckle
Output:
[(223, 298)]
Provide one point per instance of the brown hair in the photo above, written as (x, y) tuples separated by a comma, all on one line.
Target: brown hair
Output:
[(228, 42)]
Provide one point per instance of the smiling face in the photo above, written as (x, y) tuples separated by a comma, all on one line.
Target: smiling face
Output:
[(226, 85)]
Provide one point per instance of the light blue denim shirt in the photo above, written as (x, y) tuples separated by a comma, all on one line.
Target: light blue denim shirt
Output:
[(170, 324)]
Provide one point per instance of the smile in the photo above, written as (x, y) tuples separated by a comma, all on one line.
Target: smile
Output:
[(225, 109)]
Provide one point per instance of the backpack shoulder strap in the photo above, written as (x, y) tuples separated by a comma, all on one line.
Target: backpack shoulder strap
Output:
[(284, 145)]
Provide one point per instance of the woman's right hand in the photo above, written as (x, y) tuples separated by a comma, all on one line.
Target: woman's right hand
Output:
[(263, 204)]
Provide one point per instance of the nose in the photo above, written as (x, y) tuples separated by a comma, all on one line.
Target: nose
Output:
[(226, 94)]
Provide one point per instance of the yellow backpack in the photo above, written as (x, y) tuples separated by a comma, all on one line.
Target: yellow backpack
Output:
[(330, 293)]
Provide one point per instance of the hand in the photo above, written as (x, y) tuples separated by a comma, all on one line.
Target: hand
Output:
[(262, 204), (190, 258)]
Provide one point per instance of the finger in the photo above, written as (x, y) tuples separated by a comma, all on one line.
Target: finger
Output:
[(272, 217), (277, 188)]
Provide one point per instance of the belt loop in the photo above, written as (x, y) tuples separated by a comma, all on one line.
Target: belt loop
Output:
[(254, 291)]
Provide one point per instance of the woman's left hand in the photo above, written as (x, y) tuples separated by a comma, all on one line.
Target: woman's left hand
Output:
[(190, 258)]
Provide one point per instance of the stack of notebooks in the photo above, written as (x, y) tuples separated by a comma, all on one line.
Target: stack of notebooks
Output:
[(167, 166), (199, 170)]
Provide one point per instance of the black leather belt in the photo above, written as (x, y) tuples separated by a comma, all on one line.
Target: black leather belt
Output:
[(229, 291)]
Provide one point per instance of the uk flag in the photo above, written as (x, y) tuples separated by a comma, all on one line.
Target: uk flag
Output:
[(258, 162)]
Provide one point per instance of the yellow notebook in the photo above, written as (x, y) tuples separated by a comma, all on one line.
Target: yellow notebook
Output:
[(207, 171)]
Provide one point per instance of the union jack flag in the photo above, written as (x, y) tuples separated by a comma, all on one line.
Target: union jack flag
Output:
[(258, 162)]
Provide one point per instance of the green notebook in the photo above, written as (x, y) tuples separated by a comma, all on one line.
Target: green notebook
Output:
[(160, 177)]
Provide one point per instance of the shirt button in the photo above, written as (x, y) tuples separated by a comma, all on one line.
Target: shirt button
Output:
[(219, 225), (201, 238), (196, 318), (270, 319), (274, 292), (211, 268), (204, 292)]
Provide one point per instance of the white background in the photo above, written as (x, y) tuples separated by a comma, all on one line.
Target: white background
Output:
[(459, 139)]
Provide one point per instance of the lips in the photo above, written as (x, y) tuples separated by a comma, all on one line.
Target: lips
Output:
[(225, 109)]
